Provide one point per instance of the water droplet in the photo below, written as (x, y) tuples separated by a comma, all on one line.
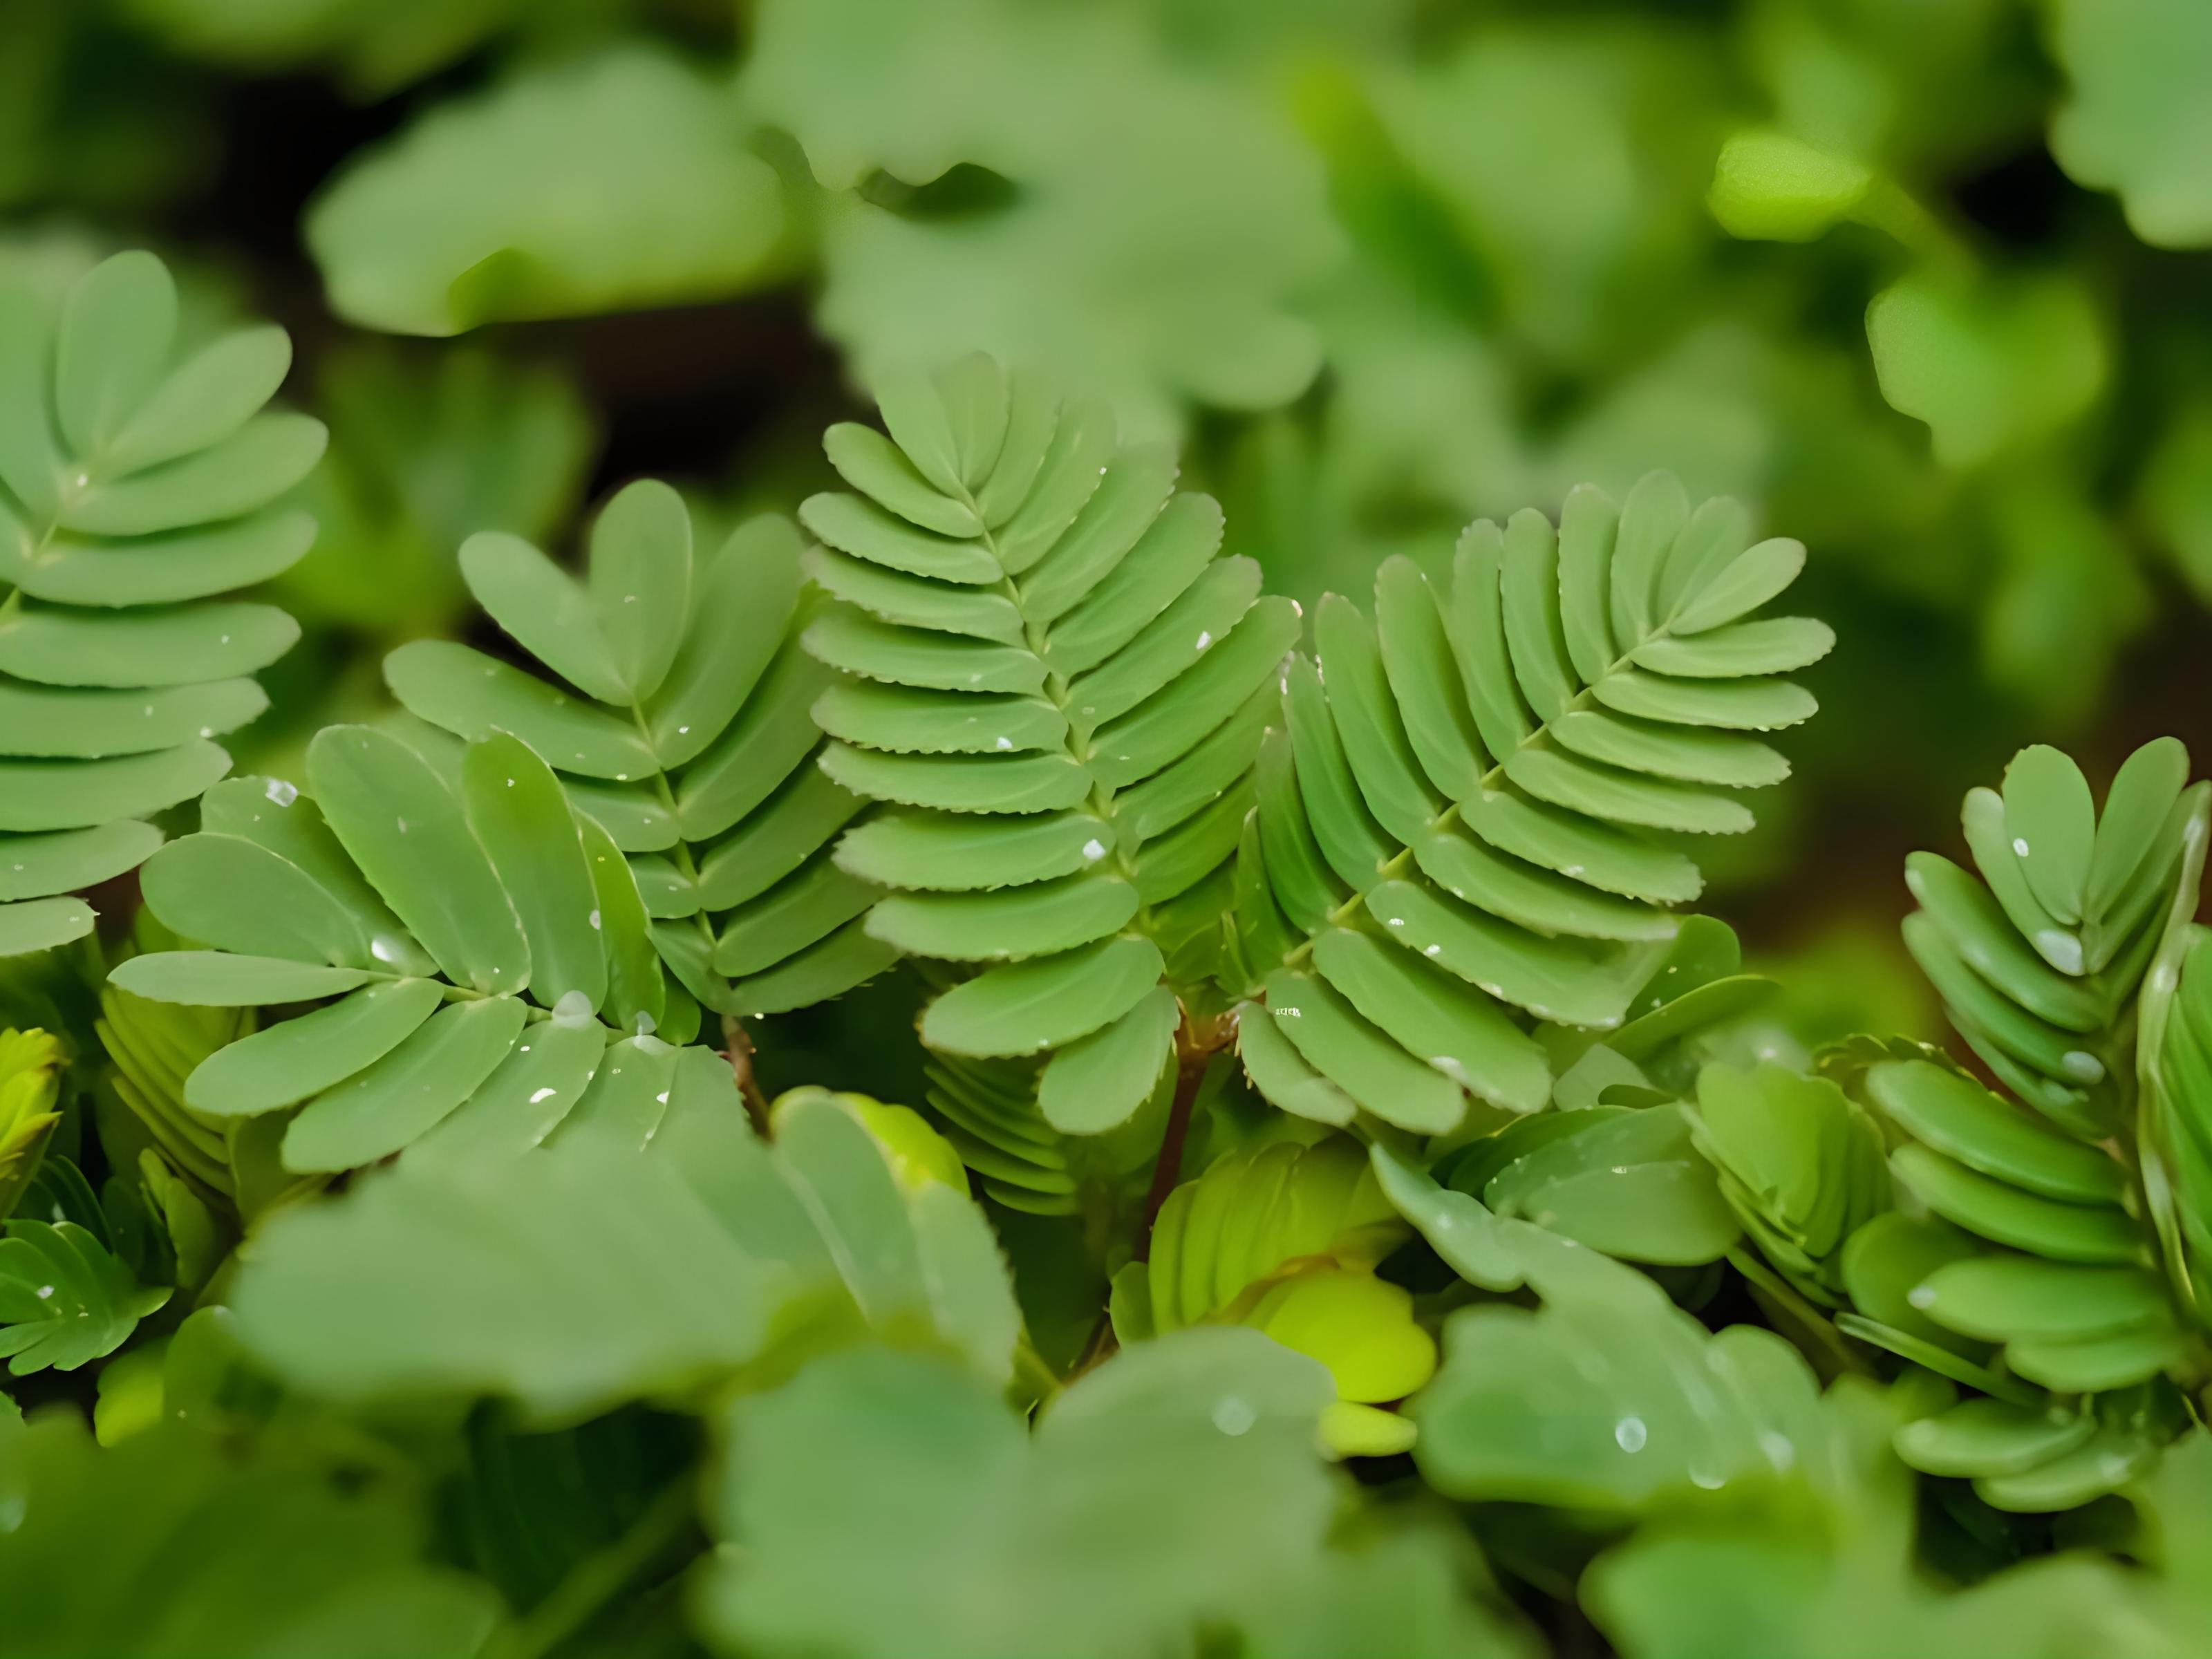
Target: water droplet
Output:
[(1093, 850), (1432, 950), (1630, 1434), (1205, 639), (595, 921), (1234, 1416), (384, 949), (1921, 1296), (573, 1008), (1705, 1479), (403, 826), (1003, 744), (1779, 1452), (662, 1096), (642, 1025), (45, 1291), (2019, 847), (543, 1094)]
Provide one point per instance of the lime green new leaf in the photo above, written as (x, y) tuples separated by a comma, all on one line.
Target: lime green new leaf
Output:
[(1284, 1239)]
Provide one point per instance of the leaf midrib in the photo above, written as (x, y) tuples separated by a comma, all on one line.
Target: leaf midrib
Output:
[(1539, 736)]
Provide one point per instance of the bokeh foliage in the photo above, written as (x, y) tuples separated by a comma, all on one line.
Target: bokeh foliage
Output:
[(1919, 281)]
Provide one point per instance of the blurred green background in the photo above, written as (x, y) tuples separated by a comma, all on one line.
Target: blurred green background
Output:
[(1923, 280)]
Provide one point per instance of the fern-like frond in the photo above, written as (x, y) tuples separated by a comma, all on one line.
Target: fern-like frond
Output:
[(2040, 961), (136, 485), (2040, 1253), (494, 975), (678, 723), (2175, 1137), (1060, 688), (1453, 835), (988, 1109)]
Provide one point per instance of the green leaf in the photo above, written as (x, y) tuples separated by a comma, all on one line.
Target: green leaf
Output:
[(702, 695), (2130, 123), (978, 1537), (542, 1277), (401, 824), (239, 896), (1627, 1182), (1185, 301), (1769, 186), (1099, 1081), (1030, 1007), (1606, 1398), (41, 924), (680, 210), (173, 1544), (1989, 368), (300, 1058), (514, 804), (407, 1090), (217, 979), (64, 1299)]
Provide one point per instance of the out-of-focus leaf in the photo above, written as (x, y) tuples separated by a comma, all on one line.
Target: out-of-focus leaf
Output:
[(1148, 261), (592, 1272), (882, 1505), (1837, 1579), (423, 455), (1987, 365), (379, 44), (617, 181), (172, 1547), (2136, 122)]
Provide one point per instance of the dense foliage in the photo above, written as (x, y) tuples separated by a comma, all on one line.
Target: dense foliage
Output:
[(1060, 1013)]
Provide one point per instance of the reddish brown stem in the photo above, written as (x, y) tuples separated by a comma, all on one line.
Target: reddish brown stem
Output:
[(1194, 1050), (738, 1049)]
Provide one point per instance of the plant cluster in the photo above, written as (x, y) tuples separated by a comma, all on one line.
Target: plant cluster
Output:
[(1355, 1206)]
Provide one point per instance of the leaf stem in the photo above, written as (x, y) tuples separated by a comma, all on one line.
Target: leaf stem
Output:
[(738, 1049), (1538, 737), (1195, 1050)]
